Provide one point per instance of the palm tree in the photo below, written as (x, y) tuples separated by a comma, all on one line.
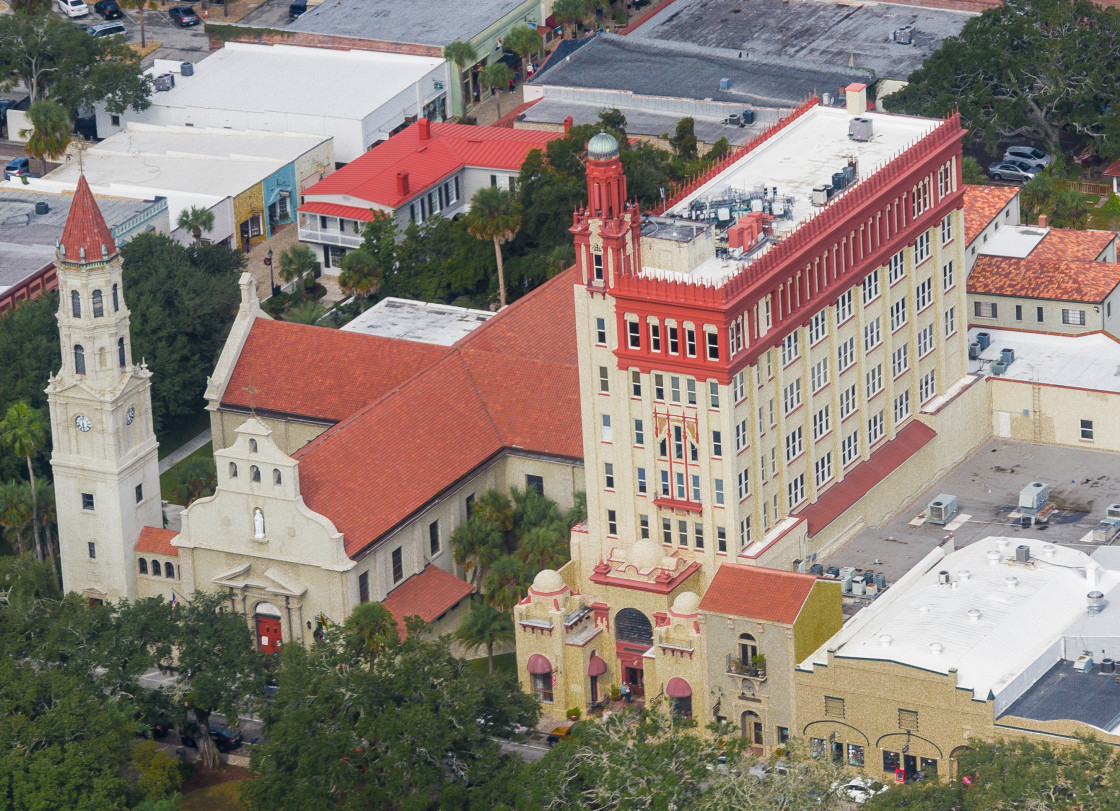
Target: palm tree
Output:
[(505, 583), (1070, 209), (360, 274), (495, 215), (196, 219), (22, 430), (50, 130), (15, 512), (48, 515), (470, 545), (523, 41), (307, 312), (485, 625), (498, 75), (294, 262), (461, 54), (371, 630)]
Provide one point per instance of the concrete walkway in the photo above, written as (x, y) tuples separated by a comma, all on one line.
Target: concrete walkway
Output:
[(177, 456)]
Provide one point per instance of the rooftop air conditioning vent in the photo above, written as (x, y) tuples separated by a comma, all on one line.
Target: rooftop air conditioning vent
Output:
[(860, 129), (904, 35)]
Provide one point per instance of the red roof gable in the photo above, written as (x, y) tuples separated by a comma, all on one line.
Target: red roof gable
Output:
[(1089, 282), (85, 228), (1061, 244), (981, 205), (324, 373), (157, 541), (427, 595), (755, 592), (450, 147)]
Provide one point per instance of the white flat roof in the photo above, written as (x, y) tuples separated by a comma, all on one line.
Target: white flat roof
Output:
[(292, 79), (1014, 240), (992, 621), (428, 323), (1074, 361)]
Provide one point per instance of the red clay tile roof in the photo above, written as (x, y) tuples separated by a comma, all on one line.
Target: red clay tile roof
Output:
[(85, 227), (157, 541), (1113, 170), (426, 595), (322, 373), (860, 479), (770, 595), (1065, 244), (981, 205), (336, 210), (1089, 282), (373, 176)]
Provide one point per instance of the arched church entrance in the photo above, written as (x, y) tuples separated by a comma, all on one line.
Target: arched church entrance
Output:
[(266, 618)]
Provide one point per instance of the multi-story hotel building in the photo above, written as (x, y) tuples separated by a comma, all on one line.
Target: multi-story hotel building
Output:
[(766, 366)]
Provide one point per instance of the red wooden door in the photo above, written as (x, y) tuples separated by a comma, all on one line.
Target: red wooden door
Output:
[(268, 633)]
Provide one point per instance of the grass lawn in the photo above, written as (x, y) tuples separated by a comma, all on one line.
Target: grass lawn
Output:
[(503, 663), (167, 480), (222, 797), (182, 432)]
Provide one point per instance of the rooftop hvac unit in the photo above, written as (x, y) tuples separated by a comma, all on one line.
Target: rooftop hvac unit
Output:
[(1022, 553), (1113, 511), (904, 35), (734, 120), (858, 586), (984, 339), (816, 569), (1083, 663), (164, 82), (826, 99), (833, 571), (860, 129), (974, 350), (838, 180), (1107, 530), (748, 117), (42, 207), (1007, 355), (1095, 602), (880, 580), (187, 69), (1034, 496), (1107, 665), (845, 586), (847, 572), (942, 509), (725, 83), (998, 367), (849, 174), (820, 195)]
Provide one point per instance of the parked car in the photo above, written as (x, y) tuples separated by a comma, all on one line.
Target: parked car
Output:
[(107, 29), (17, 167), (183, 16), (561, 733), (859, 789), (1030, 155), (224, 739), (296, 9), (73, 8), (1013, 170), (108, 9)]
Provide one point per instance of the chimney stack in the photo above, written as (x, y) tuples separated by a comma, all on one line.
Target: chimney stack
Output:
[(424, 129), (402, 182), (1043, 221), (568, 123), (855, 95)]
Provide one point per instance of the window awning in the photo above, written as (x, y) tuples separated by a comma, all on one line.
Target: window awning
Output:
[(538, 665), (596, 667), (678, 688)]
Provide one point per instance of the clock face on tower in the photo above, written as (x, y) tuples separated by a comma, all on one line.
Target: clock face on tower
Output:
[(83, 423), (129, 415)]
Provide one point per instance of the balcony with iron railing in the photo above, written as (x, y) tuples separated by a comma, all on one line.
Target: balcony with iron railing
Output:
[(751, 673), (312, 233)]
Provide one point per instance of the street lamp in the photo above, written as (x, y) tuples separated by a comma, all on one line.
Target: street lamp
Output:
[(271, 276)]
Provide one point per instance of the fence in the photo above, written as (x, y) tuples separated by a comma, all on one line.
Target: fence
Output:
[(1085, 187)]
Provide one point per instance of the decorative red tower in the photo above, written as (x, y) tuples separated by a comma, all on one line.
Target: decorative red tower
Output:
[(608, 231)]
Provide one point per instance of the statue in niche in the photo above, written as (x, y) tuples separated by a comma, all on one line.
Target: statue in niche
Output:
[(258, 523)]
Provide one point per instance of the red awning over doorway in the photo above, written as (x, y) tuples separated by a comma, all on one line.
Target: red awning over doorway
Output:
[(538, 665), (597, 666), (678, 688)]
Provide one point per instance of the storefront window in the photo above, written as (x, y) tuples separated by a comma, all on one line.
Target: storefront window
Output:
[(891, 761), (928, 765), (817, 747), (855, 755)]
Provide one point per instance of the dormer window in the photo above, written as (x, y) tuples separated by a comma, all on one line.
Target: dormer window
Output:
[(276, 477), (233, 470), (252, 446), (254, 473)]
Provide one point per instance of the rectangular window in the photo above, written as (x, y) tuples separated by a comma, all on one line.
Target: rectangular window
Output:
[(1038, 315), (717, 443), (849, 448), (643, 525), (874, 381), (744, 532), (794, 444), (818, 375), (947, 229), (796, 490), (1087, 429), (833, 707), (870, 287), (875, 428), (542, 687), (713, 394), (673, 335), (604, 380), (597, 266), (654, 337), (91, 548), (698, 535), (635, 383), (468, 502), (847, 401), (680, 486), (612, 522), (721, 540), (433, 538), (744, 484), (713, 345), (675, 388), (139, 493), (844, 308), (951, 321), (896, 269), (1073, 317), (855, 755), (606, 427), (87, 501), (846, 354), (739, 384), (985, 309), (633, 335), (908, 719), (872, 335), (1018, 312), (898, 314), (639, 433), (923, 294), (608, 475), (921, 249), (927, 386), (682, 533), (900, 360), (822, 469), (740, 436), (690, 391), (822, 423), (790, 348), (925, 340), (902, 406), (601, 331), (947, 276), (641, 480), (665, 483), (818, 327), (678, 441), (695, 482), (718, 489), (690, 342), (363, 587), (783, 735), (666, 531), (398, 565), (791, 396)]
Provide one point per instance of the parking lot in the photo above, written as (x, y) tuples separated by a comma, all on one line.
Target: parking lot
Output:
[(180, 44), (1082, 485)]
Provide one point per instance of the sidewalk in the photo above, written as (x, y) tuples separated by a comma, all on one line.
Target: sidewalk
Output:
[(189, 447)]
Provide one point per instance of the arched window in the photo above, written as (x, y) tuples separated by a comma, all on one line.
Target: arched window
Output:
[(79, 360), (168, 569), (143, 566), (98, 304), (233, 470), (116, 299), (120, 352), (748, 650), (254, 473), (76, 303), (252, 446), (276, 477), (631, 625), (155, 568)]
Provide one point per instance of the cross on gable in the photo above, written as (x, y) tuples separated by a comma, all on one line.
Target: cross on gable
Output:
[(252, 390)]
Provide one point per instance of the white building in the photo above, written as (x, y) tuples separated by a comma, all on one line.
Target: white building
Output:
[(356, 97)]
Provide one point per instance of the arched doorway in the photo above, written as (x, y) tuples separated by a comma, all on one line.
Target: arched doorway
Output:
[(751, 725), (634, 636), (266, 619)]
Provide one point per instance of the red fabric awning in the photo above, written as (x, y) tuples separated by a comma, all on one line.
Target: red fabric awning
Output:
[(538, 665), (596, 667), (678, 688)]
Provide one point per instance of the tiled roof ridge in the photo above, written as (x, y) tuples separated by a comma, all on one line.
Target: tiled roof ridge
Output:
[(503, 314), (481, 397)]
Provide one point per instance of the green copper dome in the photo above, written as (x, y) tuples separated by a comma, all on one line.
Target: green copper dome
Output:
[(602, 147)]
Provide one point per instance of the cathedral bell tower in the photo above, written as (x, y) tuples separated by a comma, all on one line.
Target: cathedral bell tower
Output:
[(106, 470), (608, 232)]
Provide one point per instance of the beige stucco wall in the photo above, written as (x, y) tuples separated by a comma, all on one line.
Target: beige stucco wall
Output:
[(1056, 417), (1052, 312), (289, 434)]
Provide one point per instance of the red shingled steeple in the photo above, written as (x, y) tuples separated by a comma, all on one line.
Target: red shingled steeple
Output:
[(85, 228)]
